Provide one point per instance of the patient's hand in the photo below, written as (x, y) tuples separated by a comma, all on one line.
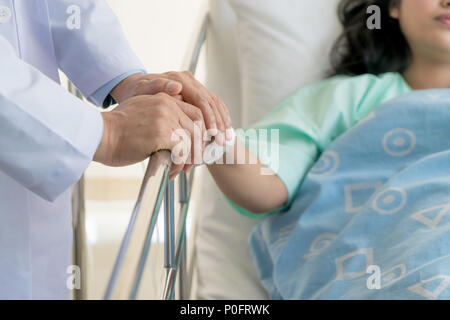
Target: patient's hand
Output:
[(216, 115)]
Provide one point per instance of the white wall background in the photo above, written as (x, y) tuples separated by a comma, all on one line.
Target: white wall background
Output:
[(159, 30)]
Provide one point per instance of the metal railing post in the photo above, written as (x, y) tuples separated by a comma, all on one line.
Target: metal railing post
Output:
[(169, 233), (78, 221), (127, 273), (182, 277)]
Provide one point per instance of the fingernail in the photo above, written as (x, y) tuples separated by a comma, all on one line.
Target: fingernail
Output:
[(213, 131), (220, 138), (172, 87)]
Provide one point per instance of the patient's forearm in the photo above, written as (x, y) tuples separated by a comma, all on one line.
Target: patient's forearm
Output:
[(245, 185)]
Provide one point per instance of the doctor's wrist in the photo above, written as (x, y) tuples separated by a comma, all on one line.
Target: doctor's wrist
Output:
[(125, 88), (104, 152)]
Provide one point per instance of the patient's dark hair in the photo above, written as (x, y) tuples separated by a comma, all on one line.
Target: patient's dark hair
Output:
[(360, 50)]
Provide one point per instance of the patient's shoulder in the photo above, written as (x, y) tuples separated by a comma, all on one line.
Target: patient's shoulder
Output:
[(352, 96), (353, 90), (366, 80)]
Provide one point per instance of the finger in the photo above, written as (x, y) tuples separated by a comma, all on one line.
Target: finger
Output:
[(192, 112), (201, 102), (154, 86), (200, 130), (220, 137), (226, 115), (196, 94), (173, 88), (192, 128), (223, 111), (208, 114), (181, 152)]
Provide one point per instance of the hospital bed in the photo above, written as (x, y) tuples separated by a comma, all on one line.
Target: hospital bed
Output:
[(257, 53)]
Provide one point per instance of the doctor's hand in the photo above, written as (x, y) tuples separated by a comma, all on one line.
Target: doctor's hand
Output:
[(215, 113), (143, 125)]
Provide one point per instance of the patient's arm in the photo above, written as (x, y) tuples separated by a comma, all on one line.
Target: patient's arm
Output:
[(246, 186)]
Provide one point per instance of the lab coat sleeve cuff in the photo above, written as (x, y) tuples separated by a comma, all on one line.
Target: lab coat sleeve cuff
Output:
[(48, 137), (99, 97), (71, 170)]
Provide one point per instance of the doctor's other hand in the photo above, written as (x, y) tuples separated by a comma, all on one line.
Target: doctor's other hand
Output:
[(143, 125), (215, 113)]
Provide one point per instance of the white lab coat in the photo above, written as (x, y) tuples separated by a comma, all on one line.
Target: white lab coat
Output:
[(47, 136)]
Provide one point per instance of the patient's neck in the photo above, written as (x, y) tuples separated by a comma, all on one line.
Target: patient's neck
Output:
[(427, 74)]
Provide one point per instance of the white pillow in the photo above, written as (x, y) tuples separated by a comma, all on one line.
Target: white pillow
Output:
[(258, 53), (283, 45)]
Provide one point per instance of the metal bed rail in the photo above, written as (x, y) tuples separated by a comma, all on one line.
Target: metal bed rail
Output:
[(132, 257), (78, 219)]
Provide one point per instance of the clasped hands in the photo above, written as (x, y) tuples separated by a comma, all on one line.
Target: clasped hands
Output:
[(152, 108)]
